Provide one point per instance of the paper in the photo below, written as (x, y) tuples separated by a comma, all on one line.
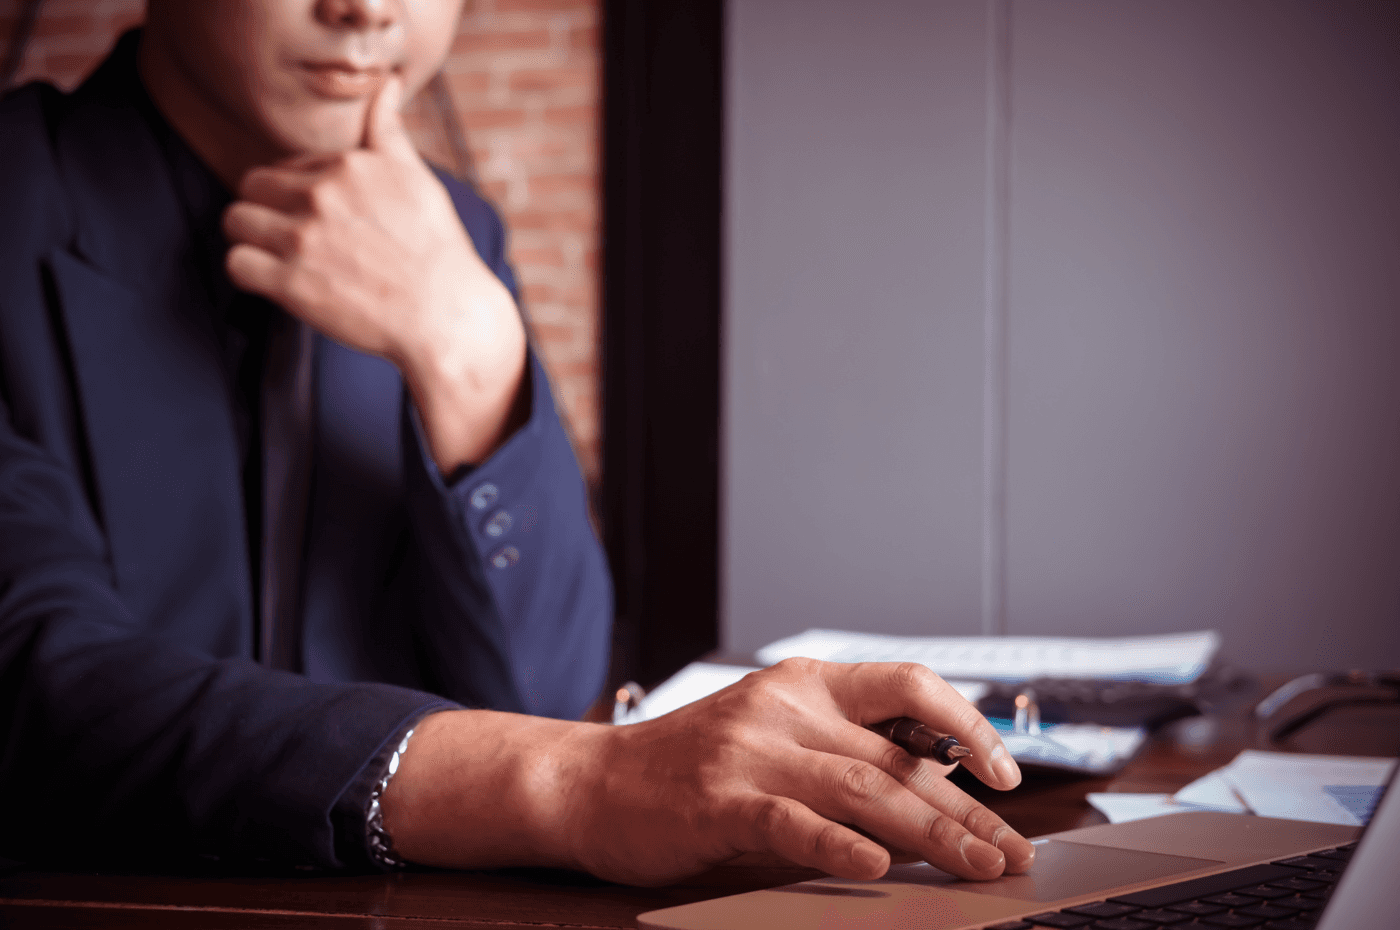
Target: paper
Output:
[(1078, 747), (700, 679), (1299, 786), (1122, 807), (1212, 792), (1176, 658), (1323, 789)]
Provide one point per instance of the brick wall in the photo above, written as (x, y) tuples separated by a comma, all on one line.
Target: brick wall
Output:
[(524, 80)]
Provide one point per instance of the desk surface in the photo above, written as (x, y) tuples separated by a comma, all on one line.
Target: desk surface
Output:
[(533, 899)]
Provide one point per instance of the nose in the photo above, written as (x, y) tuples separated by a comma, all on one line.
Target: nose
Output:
[(358, 14)]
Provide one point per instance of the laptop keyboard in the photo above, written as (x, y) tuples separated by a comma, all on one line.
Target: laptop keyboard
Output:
[(1283, 895)]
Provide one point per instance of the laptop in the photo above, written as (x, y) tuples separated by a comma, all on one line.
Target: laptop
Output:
[(1194, 871)]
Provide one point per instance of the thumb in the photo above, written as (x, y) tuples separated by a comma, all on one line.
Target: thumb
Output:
[(384, 130)]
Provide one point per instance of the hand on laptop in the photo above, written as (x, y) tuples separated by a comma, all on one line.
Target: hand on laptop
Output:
[(779, 763)]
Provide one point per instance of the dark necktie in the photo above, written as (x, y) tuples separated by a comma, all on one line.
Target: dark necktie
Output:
[(286, 471)]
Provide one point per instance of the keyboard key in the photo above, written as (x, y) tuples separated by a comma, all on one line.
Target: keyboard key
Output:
[(1101, 909), (1229, 899), (1059, 919), (1291, 923), (1299, 903), (1267, 892), (1327, 876), (1298, 884), (1267, 911), (1013, 925), (1306, 862), (1341, 854), (1231, 919), (1211, 884), (1162, 917), (1196, 908), (1121, 923)]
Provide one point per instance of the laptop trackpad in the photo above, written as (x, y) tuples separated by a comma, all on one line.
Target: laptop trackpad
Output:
[(1062, 870)]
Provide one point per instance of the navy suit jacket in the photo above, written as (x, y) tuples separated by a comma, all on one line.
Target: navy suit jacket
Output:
[(134, 719)]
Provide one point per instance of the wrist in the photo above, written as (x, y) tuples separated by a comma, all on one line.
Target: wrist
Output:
[(469, 385), (481, 789)]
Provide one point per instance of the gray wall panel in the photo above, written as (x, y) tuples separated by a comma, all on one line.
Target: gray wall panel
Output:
[(852, 326), (1205, 327), (1204, 321)]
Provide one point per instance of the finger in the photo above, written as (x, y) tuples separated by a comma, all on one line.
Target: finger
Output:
[(853, 791), (287, 189), (940, 793), (793, 831), (257, 270), (926, 779), (263, 227), (869, 692), (384, 130)]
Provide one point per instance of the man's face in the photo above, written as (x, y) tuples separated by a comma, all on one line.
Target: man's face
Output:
[(297, 75)]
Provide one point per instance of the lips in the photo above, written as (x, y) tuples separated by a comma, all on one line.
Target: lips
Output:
[(342, 81)]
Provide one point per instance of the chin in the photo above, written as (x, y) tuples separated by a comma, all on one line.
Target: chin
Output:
[(325, 130)]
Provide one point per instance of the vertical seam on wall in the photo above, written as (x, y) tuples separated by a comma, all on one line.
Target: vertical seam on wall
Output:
[(995, 308)]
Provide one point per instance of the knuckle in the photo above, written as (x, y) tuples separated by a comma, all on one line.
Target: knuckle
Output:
[(968, 719), (898, 763), (859, 782), (322, 194), (911, 676), (943, 831), (301, 238), (774, 816), (799, 666), (829, 842)]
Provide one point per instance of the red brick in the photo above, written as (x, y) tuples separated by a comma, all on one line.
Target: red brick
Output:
[(548, 6), (474, 41), (529, 80), (492, 119), (550, 255), (584, 37), (571, 116)]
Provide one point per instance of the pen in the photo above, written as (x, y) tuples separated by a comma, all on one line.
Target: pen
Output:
[(918, 740)]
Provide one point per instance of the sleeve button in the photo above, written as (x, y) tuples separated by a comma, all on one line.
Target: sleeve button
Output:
[(506, 557), (485, 496), (499, 523)]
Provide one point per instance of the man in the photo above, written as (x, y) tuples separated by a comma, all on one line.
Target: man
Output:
[(267, 396)]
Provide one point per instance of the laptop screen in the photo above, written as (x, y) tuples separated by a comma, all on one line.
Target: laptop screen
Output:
[(1368, 896)]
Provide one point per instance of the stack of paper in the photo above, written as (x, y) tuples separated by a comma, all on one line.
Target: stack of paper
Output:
[(699, 679), (1174, 658), (1323, 789)]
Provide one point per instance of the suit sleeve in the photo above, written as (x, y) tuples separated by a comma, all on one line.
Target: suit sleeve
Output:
[(118, 743), (512, 588)]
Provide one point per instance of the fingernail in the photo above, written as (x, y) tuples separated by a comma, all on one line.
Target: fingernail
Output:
[(980, 856), (1008, 773), (869, 859), (1021, 854)]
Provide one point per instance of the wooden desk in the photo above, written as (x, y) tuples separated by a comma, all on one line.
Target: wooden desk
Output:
[(530, 900)]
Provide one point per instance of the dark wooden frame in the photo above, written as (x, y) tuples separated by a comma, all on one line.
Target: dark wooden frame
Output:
[(662, 157)]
